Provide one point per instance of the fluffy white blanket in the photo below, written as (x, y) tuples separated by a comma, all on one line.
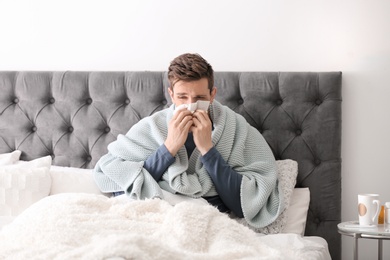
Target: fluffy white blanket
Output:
[(88, 226)]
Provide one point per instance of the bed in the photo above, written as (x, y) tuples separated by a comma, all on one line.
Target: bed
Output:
[(55, 125)]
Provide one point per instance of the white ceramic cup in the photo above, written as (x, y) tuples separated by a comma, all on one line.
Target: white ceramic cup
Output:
[(368, 209)]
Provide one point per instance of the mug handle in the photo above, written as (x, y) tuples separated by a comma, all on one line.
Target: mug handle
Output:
[(377, 202)]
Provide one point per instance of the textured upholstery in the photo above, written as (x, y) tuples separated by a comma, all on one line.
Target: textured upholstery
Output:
[(73, 116)]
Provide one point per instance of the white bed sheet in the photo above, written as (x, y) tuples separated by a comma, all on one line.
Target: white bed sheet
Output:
[(5, 220), (308, 247)]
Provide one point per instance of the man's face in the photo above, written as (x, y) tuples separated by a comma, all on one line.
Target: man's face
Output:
[(189, 92)]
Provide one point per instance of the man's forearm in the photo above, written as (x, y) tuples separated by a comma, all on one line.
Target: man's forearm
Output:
[(158, 162), (226, 180)]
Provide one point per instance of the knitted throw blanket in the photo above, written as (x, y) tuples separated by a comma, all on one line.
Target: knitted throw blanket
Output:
[(241, 146)]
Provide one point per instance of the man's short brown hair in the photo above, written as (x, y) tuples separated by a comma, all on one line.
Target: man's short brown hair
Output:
[(190, 67)]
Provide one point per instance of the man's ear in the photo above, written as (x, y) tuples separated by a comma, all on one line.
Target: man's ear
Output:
[(213, 94), (170, 91)]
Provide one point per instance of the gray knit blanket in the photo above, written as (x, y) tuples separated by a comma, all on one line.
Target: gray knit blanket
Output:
[(241, 146)]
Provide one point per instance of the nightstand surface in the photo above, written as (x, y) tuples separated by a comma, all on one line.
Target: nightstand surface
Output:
[(352, 228)]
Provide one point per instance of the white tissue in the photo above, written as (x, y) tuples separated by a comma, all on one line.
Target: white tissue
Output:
[(199, 105)]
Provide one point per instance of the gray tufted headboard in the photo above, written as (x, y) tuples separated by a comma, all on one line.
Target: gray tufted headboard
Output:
[(73, 116)]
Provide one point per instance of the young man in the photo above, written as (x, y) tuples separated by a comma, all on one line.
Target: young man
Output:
[(212, 153)]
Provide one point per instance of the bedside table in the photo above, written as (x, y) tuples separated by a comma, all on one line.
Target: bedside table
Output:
[(352, 228)]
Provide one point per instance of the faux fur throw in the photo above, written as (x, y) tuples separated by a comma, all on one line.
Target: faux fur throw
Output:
[(241, 146), (89, 226)]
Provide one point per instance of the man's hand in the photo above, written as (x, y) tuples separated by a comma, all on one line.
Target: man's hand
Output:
[(201, 130), (178, 129)]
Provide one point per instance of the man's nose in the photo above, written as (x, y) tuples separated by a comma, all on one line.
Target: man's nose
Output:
[(192, 100)]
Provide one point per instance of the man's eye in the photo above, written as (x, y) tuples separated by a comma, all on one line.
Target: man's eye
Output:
[(181, 97)]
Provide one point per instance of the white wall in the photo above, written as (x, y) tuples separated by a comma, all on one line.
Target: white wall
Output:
[(352, 36)]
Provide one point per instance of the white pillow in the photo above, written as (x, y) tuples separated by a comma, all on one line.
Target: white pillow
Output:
[(10, 158), (21, 187), (287, 176), (297, 211), (72, 180), (22, 184), (39, 162)]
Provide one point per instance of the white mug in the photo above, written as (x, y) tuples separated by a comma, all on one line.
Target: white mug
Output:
[(368, 209)]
